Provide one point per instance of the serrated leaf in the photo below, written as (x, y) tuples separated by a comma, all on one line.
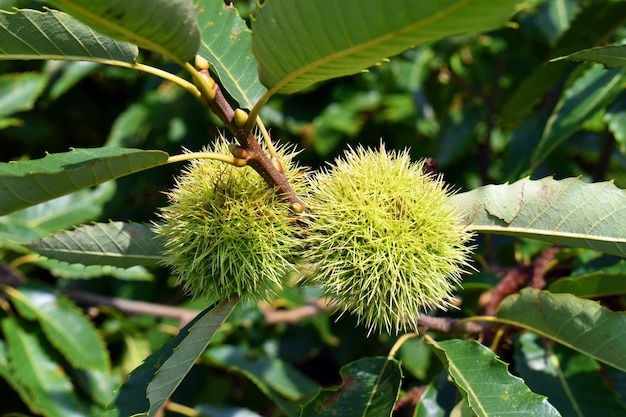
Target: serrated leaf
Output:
[(564, 212), (31, 34), (587, 95), (579, 324), (166, 26), (65, 326), (571, 380), (273, 372), (152, 383), (18, 92), (486, 384), (26, 183), (117, 244), (226, 44), (370, 387), (299, 43), (50, 391), (611, 56)]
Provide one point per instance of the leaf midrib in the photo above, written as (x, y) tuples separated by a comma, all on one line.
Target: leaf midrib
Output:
[(363, 46)]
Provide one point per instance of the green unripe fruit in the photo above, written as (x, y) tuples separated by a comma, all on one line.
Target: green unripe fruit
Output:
[(384, 239), (227, 232)]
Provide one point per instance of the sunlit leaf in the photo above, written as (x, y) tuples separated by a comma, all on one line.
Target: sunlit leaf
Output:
[(226, 44), (26, 183), (299, 43), (486, 384), (370, 387), (117, 244), (582, 325), (165, 26), (564, 212), (31, 34), (152, 383), (64, 324), (571, 380)]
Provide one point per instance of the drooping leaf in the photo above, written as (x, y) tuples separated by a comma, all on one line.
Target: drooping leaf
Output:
[(299, 43), (587, 95), (31, 34), (152, 383), (595, 22), (275, 373), (582, 325), (117, 244), (226, 44), (18, 92), (370, 387), (168, 27), (26, 183), (570, 379), (50, 390), (563, 212), (486, 384), (611, 56), (65, 326)]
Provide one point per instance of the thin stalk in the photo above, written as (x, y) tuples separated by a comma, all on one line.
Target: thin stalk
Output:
[(229, 159)]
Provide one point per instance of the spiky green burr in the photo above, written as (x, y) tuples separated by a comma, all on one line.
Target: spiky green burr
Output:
[(227, 231), (383, 238)]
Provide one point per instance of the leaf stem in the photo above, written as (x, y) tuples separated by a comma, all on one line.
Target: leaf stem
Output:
[(269, 169), (230, 159)]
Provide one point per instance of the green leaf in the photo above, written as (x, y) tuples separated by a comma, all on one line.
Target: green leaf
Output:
[(117, 244), (64, 270), (50, 391), (582, 325), (26, 183), (299, 43), (152, 383), (31, 34), (18, 92), (487, 386), (611, 56), (166, 26), (65, 326), (275, 373), (571, 380), (38, 221), (370, 387), (226, 44), (587, 95), (601, 283), (593, 24), (564, 212)]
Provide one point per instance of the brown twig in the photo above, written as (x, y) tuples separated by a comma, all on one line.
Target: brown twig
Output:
[(270, 170), (133, 306)]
